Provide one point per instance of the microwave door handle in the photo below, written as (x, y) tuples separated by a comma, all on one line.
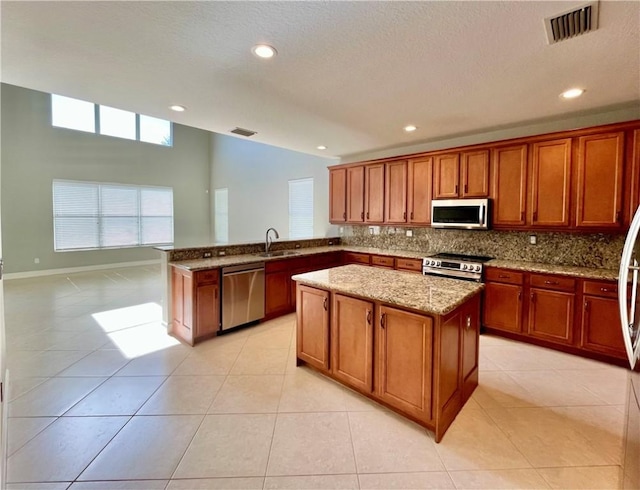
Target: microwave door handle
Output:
[(482, 212)]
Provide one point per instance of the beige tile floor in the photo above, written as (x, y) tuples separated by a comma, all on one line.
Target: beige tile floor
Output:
[(102, 398)]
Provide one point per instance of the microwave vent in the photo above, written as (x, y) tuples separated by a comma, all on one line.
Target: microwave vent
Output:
[(243, 132), (575, 22)]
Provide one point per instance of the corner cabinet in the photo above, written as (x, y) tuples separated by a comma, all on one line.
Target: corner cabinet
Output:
[(195, 301)]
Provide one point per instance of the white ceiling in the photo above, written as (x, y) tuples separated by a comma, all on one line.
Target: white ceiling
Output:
[(348, 75)]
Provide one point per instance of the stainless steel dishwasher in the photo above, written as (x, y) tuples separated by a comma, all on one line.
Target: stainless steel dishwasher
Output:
[(242, 294)]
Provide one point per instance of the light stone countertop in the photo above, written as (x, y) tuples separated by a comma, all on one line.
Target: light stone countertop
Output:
[(429, 294), (564, 270)]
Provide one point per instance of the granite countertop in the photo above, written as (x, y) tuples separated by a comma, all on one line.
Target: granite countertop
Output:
[(429, 294), (565, 270)]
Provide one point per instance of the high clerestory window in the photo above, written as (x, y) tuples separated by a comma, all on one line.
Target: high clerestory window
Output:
[(101, 119), (90, 215)]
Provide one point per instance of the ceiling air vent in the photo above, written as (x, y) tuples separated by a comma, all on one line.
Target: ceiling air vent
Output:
[(243, 132), (575, 22)]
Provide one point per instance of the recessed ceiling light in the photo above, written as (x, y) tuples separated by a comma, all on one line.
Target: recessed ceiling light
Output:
[(410, 128), (264, 51), (178, 108), (322, 147), (572, 93)]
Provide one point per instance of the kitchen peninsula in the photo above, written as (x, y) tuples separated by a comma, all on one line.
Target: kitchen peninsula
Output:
[(405, 340)]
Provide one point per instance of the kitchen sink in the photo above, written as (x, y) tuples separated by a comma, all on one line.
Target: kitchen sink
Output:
[(277, 253)]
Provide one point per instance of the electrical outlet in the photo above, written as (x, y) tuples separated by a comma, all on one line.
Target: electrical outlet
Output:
[(409, 232), (207, 255), (533, 239), (297, 245), (374, 230), (391, 231), (36, 260), (221, 253)]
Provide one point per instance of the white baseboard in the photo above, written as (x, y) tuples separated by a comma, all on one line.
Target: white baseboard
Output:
[(71, 270)]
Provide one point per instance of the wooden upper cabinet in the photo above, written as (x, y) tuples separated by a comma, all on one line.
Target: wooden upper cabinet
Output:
[(446, 176), (395, 192), (599, 188), (355, 194), (550, 183), (338, 195), (419, 177), (374, 193), (474, 170), (509, 185)]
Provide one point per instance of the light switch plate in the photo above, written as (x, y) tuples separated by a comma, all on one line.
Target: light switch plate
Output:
[(533, 239), (409, 232)]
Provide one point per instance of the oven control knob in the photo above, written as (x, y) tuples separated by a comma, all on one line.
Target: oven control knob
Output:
[(438, 263), (478, 268), (432, 262), (464, 267)]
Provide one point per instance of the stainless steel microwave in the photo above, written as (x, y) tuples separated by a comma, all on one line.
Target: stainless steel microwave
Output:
[(467, 214)]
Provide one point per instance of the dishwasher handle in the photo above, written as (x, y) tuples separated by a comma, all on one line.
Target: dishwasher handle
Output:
[(242, 269)]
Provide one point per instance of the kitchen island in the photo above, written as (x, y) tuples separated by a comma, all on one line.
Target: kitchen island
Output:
[(407, 341)]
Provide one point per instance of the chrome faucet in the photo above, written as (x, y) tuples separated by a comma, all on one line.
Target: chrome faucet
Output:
[(267, 242)]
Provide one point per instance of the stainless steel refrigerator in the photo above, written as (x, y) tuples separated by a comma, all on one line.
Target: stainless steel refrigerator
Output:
[(629, 302)]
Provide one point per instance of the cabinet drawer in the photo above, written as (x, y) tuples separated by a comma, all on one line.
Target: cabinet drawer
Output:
[(209, 275), (558, 283), (356, 258), (504, 275), (409, 265), (604, 289), (382, 261)]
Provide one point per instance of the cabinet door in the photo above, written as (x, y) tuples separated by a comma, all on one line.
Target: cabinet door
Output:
[(182, 306), (446, 176), (405, 358), (503, 306), (470, 340), (277, 293), (600, 327), (475, 174), (509, 185), (550, 183), (395, 192), (338, 195), (312, 334), (419, 198), (207, 310), (551, 315), (374, 193), (355, 194), (352, 341), (599, 189)]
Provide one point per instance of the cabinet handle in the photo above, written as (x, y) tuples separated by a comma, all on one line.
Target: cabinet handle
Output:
[(411, 215), (503, 276), (535, 216), (362, 215), (618, 216), (468, 323), (586, 306), (466, 188), (607, 290), (369, 317), (519, 295), (552, 283), (324, 304), (533, 297), (382, 320), (404, 216), (456, 189), (367, 214), (521, 215), (344, 215)]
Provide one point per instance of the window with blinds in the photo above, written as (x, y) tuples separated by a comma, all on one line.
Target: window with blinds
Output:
[(88, 215), (221, 215), (301, 208)]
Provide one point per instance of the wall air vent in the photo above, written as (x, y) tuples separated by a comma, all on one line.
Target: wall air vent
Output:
[(575, 22), (243, 132)]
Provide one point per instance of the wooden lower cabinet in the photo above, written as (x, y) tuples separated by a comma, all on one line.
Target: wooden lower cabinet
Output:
[(600, 329), (352, 341), (405, 355), (503, 306), (422, 366), (551, 315), (312, 334), (195, 298), (277, 287)]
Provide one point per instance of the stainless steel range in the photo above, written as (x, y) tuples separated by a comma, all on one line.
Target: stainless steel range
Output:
[(469, 267)]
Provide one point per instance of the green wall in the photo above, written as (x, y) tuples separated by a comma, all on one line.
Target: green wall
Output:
[(34, 153)]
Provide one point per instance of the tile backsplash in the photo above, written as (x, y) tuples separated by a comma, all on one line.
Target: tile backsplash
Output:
[(593, 250)]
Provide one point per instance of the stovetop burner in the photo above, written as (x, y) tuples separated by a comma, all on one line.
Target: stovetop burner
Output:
[(463, 257)]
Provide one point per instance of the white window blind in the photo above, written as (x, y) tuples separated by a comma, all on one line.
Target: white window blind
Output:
[(221, 215), (301, 208), (88, 215)]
